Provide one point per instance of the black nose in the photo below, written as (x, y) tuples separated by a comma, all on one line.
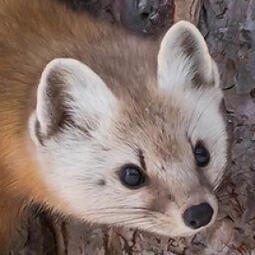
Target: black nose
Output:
[(198, 216)]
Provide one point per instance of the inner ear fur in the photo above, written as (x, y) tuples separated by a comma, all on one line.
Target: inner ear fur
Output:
[(55, 104), (70, 93), (184, 59)]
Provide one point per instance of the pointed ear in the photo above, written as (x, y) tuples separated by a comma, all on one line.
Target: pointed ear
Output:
[(69, 92), (184, 60)]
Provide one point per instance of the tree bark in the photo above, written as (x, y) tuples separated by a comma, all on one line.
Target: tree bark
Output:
[(229, 28), (188, 10)]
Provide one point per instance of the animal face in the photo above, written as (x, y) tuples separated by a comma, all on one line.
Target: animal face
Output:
[(151, 161)]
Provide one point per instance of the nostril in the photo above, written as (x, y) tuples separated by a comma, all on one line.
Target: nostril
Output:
[(193, 223), (198, 216)]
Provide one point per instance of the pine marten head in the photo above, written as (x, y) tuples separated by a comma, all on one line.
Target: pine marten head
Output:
[(151, 161)]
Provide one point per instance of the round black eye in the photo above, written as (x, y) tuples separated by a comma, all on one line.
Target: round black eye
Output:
[(132, 176), (202, 155)]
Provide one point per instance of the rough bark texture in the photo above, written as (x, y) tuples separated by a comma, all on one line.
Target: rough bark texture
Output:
[(140, 16), (229, 28)]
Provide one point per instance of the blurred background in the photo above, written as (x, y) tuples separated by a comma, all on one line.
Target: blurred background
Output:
[(229, 29)]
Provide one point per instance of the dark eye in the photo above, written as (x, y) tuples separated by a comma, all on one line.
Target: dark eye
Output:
[(202, 155), (132, 176)]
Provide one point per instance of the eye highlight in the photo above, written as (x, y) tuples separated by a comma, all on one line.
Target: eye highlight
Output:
[(132, 176), (202, 155)]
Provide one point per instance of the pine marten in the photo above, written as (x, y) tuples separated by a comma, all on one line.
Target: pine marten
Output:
[(104, 126)]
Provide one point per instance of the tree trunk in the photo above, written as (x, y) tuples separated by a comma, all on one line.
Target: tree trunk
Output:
[(229, 28)]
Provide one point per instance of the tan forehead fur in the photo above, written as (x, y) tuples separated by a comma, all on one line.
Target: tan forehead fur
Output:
[(156, 121)]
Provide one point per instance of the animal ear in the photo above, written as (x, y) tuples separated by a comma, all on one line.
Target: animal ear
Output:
[(70, 93), (184, 60)]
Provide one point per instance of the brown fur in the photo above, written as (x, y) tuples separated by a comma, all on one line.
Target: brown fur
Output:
[(32, 33), (148, 119)]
